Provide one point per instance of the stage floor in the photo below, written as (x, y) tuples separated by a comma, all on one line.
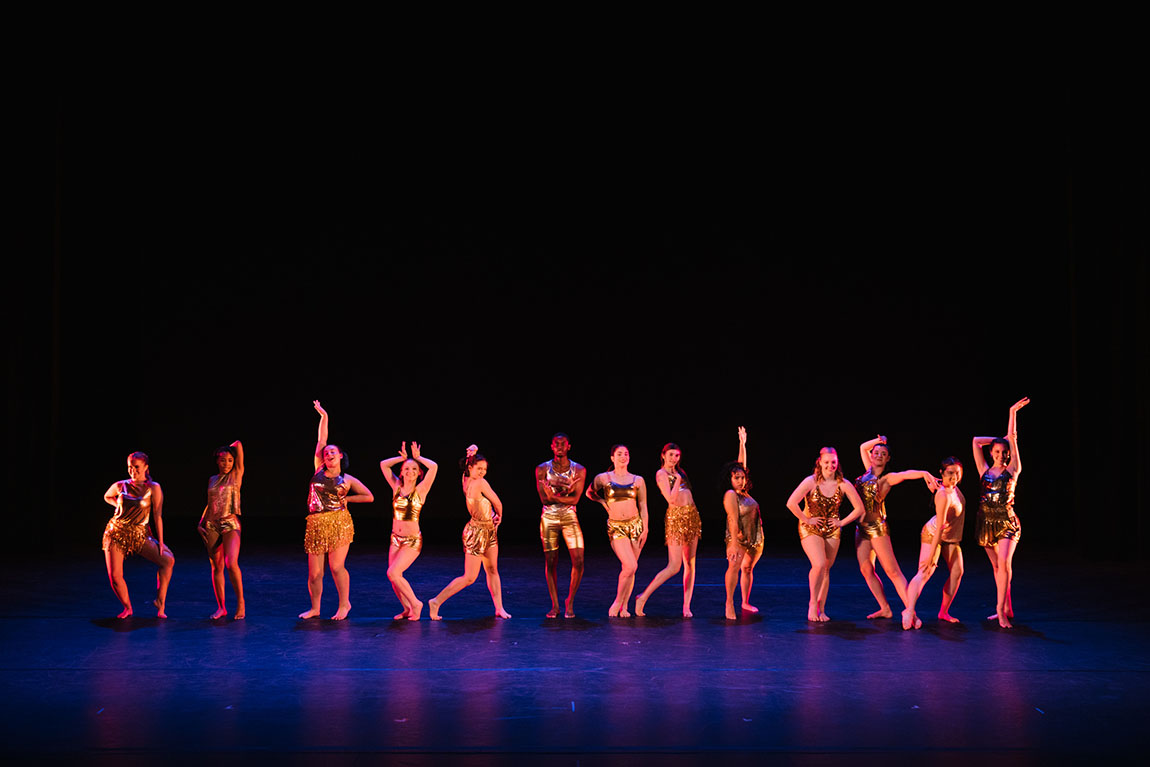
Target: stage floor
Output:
[(1070, 682)]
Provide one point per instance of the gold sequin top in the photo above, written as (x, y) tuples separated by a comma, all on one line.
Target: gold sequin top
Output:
[(561, 484), (406, 508), (223, 497), (818, 505), (134, 504), (327, 493), (612, 492), (997, 493), (480, 509), (867, 485)]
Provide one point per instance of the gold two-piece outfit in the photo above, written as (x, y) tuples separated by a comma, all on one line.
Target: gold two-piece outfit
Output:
[(128, 527), (558, 521), (825, 510), (873, 523), (631, 528), (222, 513), (750, 524), (952, 524), (406, 508), (479, 533), (996, 517), (329, 524)]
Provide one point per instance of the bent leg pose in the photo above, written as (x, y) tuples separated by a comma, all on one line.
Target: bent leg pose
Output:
[(941, 535), (624, 496), (683, 529)]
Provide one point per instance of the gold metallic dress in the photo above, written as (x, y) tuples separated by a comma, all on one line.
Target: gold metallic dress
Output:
[(996, 517), (873, 523), (559, 520), (825, 509), (750, 524), (631, 528), (479, 532), (406, 508), (329, 524), (223, 511), (128, 527)]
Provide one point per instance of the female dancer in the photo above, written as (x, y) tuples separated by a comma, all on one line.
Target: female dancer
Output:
[(941, 534), (999, 528), (137, 499), (480, 546), (329, 527), (819, 523), (872, 540), (683, 528), (744, 534), (408, 494), (624, 496), (220, 526)]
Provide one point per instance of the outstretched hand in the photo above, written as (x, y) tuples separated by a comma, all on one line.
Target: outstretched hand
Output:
[(1020, 404), (932, 483), (318, 407), (742, 435)]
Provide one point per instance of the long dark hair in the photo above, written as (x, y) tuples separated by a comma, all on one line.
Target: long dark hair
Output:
[(729, 470)]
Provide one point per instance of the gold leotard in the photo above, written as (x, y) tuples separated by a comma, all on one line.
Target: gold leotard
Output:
[(559, 519), (479, 532), (873, 523), (128, 527), (329, 524), (750, 524), (826, 509), (996, 517)]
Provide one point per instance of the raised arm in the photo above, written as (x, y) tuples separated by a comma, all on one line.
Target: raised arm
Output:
[(901, 476), (852, 496), (866, 447), (743, 446), (386, 464), (432, 467), (239, 467), (321, 438), (797, 495), (979, 457), (359, 492), (1012, 436)]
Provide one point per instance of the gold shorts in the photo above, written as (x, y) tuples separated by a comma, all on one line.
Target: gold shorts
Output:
[(997, 523), (631, 529), (328, 531), (478, 537), (130, 538), (565, 525), (682, 525), (410, 541), (821, 528), (871, 530)]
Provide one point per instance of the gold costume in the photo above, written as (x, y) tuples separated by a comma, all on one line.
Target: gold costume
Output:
[(411, 541), (329, 524), (996, 517), (952, 524), (128, 527), (406, 508), (682, 525), (479, 532), (631, 529), (826, 509), (873, 522), (559, 520), (221, 515), (750, 524)]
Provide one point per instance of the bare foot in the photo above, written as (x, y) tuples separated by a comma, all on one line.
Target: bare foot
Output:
[(220, 613), (624, 614), (823, 617), (160, 611), (241, 612), (687, 613), (569, 605), (1004, 622), (501, 613), (434, 609), (883, 613), (309, 614), (613, 610), (729, 612), (749, 608), (554, 613), (813, 614), (908, 619), (639, 602), (342, 612), (416, 611), (406, 612), (125, 613), (917, 622), (945, 616)]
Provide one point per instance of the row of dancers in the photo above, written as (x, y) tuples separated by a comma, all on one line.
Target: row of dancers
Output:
[(561, 483)]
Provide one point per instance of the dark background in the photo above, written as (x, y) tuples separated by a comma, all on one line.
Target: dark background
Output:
[(636, 256)]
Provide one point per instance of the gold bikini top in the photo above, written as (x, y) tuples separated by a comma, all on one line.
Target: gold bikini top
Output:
[(406, 508)]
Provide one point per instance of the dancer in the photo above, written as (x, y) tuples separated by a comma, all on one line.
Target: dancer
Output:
[(137, 501), (999, 528), (480, 546), (408, 494), (329, 527), (941, 534), (872, 539), (819, 523), (220, 526), (624, 496), (559, 483), (682, 525), (744, 536)]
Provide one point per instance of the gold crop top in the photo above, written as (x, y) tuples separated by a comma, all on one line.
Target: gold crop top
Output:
[(612, 492), (406, 508)]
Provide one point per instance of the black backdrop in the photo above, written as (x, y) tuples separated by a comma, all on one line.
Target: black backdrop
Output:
[(636, 258)]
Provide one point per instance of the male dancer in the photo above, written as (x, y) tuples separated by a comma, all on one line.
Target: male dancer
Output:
[(560, 485)]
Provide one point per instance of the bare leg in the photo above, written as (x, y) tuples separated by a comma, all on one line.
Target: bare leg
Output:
[(747, 577), (471, 564), (494, 584), (217, 561), (866, 557), (339, 574), (731, 579), (1003, 574), (550, 571), (399, 559), (674, 564), (628, 564), (689, 576), (165, 561), (953, 556), (914, 589), (231, 548), (314, 584), (576, 577), (831, 549), (114, 561), (816, 553)]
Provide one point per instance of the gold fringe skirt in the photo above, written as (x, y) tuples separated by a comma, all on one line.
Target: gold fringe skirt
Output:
[(130, 538), (682, 525), (327, 531)]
